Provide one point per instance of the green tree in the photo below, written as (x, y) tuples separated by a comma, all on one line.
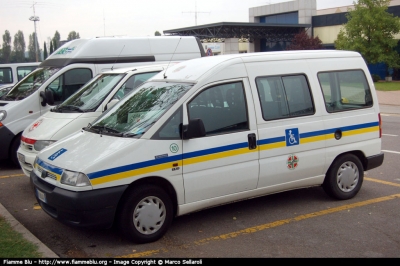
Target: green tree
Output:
[(32, 47), (56, 40), (19, 47), (157, 33), (51, 47), (73, 35), (6, 48), (45, 55), (370, 31)]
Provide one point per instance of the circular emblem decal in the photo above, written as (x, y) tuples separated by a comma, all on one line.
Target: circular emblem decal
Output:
[(35, 125), (292, 162), (174, 148)]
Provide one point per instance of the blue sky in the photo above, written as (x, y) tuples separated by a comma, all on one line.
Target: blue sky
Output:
[(124, 17)]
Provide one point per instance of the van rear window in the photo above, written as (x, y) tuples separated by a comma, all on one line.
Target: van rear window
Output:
[(284, 97), (345, 90)]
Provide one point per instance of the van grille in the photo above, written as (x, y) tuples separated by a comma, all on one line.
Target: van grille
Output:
[(44, 174)]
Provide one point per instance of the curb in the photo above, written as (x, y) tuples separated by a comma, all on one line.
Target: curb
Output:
[(17, 226)]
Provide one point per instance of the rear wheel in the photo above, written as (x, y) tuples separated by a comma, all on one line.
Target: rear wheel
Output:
[(344, 178), (146, 214)]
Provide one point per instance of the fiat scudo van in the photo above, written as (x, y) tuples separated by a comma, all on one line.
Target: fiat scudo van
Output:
[(216, 130)]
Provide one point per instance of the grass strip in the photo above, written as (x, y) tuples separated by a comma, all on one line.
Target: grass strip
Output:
[(14, 245)]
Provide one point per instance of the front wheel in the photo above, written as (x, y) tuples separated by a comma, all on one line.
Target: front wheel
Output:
[(146, 214), (13, 150), (344, 178)]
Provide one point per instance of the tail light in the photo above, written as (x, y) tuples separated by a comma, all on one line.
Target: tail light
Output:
[(29, 141)]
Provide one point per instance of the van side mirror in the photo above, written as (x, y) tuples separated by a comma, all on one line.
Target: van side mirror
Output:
[(49, 97), (111, 104), (195, 129), (43, 101)]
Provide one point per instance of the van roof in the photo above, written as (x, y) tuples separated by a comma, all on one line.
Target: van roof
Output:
[(125, 49), (193, 70)]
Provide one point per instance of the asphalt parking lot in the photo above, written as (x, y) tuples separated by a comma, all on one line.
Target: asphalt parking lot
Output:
[(303, 223)]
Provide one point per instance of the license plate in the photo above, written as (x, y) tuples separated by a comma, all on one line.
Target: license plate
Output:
[(21, 157), (41, 195)]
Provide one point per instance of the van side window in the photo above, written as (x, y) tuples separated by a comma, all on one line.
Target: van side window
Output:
[(6, 75), (133, 82), (24, 70), (284, 97), (170, 130), (222, 108), (68, 83), (345, 90)]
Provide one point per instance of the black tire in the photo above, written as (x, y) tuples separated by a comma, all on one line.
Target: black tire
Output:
[(13, 150), (344, 178), (152, 208)]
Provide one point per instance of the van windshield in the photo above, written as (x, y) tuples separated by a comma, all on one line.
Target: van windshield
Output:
[(134, 115), (30, 84), (90, 96)]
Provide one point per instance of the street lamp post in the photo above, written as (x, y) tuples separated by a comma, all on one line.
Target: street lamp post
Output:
[(35, 18)]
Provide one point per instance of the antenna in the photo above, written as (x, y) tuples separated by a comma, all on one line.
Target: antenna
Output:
[(104, 22), (172, 57), (195, 12), (112, 68)]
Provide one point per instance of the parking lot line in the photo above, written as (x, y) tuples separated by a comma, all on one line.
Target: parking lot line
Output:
[(262, 227), (8, 176), (389, 135), (382, 182), (396, 152)]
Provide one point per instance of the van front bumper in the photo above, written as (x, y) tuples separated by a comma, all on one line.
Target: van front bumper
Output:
[(374, 161), (94, 208)]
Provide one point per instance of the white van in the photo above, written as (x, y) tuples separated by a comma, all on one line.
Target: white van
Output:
[(13, 72), (81, 108), (212, 131), (71, 66)]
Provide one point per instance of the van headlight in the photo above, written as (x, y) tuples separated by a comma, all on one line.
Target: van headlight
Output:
[(3, 115), (41, 144), (74, 179)]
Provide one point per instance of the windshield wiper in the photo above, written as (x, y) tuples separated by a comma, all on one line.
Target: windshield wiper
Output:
[(69, 107), (106, 130), (131, 135)]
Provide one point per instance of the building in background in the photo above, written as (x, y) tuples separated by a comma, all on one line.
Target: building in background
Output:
[(272, 27)]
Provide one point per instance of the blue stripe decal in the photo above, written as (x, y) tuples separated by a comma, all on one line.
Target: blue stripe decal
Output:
[(215, 150), (134, 166), (194, 154), (270, 141), (49, 167)]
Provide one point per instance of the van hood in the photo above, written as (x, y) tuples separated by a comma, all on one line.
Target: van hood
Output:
[(84, 150), (48, 124)]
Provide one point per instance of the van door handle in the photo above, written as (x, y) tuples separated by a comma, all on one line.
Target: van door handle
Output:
[(252, 141)]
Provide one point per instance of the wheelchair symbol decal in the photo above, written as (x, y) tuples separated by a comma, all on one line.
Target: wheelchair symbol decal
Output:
[(292, 137)]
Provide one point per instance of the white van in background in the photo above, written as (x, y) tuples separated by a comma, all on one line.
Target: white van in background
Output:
[(212, 131), (81, 108), (13, 72), (71, 66)]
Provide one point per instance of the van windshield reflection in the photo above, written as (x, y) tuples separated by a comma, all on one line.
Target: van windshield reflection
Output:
[(134, 115), (90, 96), (30, 84)]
